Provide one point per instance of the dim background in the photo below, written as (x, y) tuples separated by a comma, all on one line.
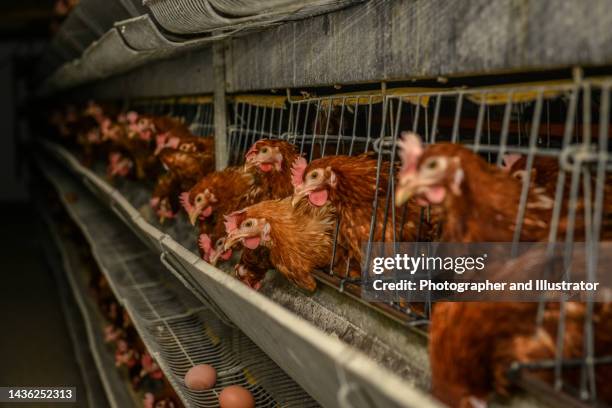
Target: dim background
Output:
[(35, 346), (24, 29)]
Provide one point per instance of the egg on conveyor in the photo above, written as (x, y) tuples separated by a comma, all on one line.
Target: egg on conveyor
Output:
[(201, 377), (236, 396)]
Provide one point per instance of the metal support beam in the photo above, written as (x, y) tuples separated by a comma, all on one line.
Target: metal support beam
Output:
[(220, 121)]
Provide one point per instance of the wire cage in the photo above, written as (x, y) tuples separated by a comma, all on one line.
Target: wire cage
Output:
[(566, 121), (176, 327)]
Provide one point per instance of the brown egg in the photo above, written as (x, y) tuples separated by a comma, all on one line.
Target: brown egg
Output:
[(236, 396), (201, 377)]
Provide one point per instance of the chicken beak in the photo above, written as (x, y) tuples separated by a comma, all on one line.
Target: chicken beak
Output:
[(405, 190), (401, 196), (299, 193), (215, 258), (232, 239)]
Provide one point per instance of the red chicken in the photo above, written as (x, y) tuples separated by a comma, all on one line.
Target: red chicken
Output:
[(211, 244), (272, 160), (299, 239), (218, 192), (478, 203), (349, 184), (253, 265), (457, 180), (119, 165), (185, 166), (164, 193), (545, 175), (88, 131), (544, 172)]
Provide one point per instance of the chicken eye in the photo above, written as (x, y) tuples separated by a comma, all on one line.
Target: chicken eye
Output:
[(314, 175), (219, 242), (431, 165), (199, 198), (264, 150), (248, 224), (519, 175)]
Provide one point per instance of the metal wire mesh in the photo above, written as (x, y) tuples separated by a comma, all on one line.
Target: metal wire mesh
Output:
[(177, 329), (565, 121)]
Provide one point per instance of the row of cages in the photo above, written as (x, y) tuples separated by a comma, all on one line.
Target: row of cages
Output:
[(557, 133)]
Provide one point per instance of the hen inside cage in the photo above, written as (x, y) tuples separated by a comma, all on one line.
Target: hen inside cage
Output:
[(513, 164)]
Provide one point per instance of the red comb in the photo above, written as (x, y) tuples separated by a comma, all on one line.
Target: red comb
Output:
[(184, 199), (132, 116), (173, 142), (252, 149), (205, 243), (114, 157), (509, 160), (160, 141), (232, 220), (411, 149), (297, 171)]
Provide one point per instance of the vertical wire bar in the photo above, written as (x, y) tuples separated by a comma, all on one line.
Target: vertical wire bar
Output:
[(589, 241), (455, 135), (304, 128), (314, 133), (340, 126), (415, 127), (567, 255), (239, 132), (262, 131), (290, 119), (535, 126), (434, 125), (369, 131), (334, 247), (280, 125), (329, 115), (556, 212), (587, 377), (375, 201), (253, 129), (547, 123), (479, 122), (489, 131), (426, 122), (280, 122), (503, 140), (391, 186), (388, 186), (604, 123), (245, 135), (355, 113), (271, 130)]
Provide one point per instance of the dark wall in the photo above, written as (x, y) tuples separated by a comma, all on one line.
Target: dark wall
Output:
[(13, 127)]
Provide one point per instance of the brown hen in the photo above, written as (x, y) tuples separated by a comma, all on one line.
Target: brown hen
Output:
[(299, 239), (472, 345), (271, 160), (349, 184)]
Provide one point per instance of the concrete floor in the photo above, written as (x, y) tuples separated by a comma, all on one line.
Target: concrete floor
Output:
[(35, 346)]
